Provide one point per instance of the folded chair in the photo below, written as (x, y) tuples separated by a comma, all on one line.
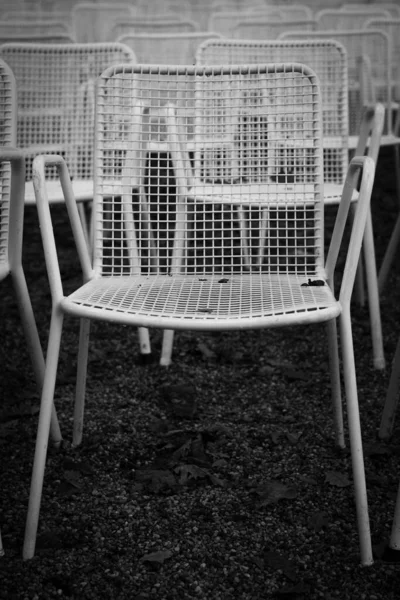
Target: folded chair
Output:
[(216, 225)]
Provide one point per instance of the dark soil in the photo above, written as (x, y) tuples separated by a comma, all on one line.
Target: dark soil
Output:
[(216, 478)]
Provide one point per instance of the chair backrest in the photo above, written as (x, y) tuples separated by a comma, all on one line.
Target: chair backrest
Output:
[(290, 12), (368, 54), (152, 25), (56, 95), (266, 29), (37, 15), (41, 38), (327, 58), (166, 48), (196, 164), (225, 22), (24, 29), (392, 28), (347, 19), (94, 21), (8, 137), (393, 9)]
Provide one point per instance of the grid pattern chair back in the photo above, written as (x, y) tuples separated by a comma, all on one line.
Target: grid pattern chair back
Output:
[(94, 21), (8, 137), (24, 29), (34, 15), (225, 22), (392, 28), (166, 48), (245, 136), (168, 24), (393, 9), (327, 58), (151, 8), (368, 55), (343, 20), (291, 12), (266, 29), (56, 95)]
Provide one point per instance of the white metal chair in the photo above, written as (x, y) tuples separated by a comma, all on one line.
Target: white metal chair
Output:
[(290, 12), (166, 48), (29, 29), (268, 29), (370, 81), (94, 21), (224, 23), (56, 96), (12, 172), (329, 60), (393, 9), (392, 28), (238, 244), (344, 20), (170, 24)]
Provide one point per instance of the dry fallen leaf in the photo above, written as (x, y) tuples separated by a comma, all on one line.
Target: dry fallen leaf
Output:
[(157, 557), (337, 479)]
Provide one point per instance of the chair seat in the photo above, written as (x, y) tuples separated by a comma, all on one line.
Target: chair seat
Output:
[(83, 191), (333, 193), (205, 301)]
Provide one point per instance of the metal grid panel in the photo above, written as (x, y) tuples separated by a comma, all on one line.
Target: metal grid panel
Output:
[(327, 58), (393, 9), (167, 24), (347, 19), (93, 22), (368, 54), (260, 29), (56, 98), (225, 22), (392, 28), (291, 12), (212, 175), (7, 138), (166, 48), (29, 28)]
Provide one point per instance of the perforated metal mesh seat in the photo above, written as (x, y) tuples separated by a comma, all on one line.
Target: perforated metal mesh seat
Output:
[(208, 214)]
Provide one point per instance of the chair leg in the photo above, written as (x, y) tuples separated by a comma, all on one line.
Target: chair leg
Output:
[(33, 343), (79, 408), (42, 437), (333, 350), (144, 340), (353, 416), (392, 398), (394, 542), (167, 347), (389, 255), (395, 237), (1, 546), (373, 295)]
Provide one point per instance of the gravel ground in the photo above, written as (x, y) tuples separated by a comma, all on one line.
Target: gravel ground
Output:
[(217, 478)]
